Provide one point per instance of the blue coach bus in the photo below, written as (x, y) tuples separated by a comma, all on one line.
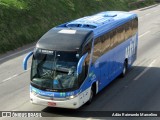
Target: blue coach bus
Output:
[(74, 61)]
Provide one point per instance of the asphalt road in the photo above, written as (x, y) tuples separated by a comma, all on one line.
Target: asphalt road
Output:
[(138, 91)]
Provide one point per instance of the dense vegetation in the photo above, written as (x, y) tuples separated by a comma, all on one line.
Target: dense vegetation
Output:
[(25, 21)]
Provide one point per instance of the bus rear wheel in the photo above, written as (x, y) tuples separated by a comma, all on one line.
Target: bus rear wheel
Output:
[(125, 68)]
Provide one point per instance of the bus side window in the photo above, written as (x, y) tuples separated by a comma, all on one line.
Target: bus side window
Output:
[(127, 31), (135, 25), (105, 44), (120, 34), (130, 29), (83, 75), (85, 67), (112, 39), (96, 49), (116, 41)]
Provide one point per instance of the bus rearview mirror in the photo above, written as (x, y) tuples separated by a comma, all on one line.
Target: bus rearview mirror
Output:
[(25, 61), (80, 63)]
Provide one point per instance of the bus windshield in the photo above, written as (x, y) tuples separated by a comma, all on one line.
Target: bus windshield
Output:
[(55, 71)]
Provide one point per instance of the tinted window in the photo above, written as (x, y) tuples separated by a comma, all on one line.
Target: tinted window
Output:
[(97, 49), (135, 25), (85, 67), (120, 34), (113, 38), (105, 44)]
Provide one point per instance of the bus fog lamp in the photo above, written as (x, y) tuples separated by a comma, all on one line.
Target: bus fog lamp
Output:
[(74, 103)]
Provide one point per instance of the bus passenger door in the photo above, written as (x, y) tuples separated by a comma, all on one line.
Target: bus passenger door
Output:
[(83, 73)]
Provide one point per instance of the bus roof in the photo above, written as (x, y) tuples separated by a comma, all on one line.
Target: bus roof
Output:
[(72, 35), (101, 22)]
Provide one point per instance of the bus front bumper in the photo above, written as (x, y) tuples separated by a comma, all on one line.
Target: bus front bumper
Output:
[(68, 103)]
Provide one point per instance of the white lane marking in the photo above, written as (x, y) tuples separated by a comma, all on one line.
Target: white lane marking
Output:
[(7, 79), (147, 14), (145, 70), (16, 53), (144, 34), (10, 78)]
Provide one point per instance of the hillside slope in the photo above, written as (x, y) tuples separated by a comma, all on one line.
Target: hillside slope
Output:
[(25, 21)]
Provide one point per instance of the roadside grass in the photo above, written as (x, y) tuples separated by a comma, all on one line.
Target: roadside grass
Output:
[(25, 21), (19, 4)]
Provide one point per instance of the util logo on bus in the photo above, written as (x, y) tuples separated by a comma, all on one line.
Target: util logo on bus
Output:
[(131, 49)]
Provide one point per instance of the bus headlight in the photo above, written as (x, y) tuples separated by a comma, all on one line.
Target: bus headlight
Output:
[(72, 96), (33, 92)]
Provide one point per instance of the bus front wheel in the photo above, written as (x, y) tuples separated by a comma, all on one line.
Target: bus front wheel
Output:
[(92, 94)]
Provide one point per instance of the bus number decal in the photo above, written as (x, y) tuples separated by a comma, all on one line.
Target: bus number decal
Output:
[(131, 49)]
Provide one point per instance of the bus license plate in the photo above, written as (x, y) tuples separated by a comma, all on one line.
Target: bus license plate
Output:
[(52, 104)]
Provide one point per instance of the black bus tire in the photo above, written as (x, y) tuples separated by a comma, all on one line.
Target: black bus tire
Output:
[(91, 96), (125, 68)]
